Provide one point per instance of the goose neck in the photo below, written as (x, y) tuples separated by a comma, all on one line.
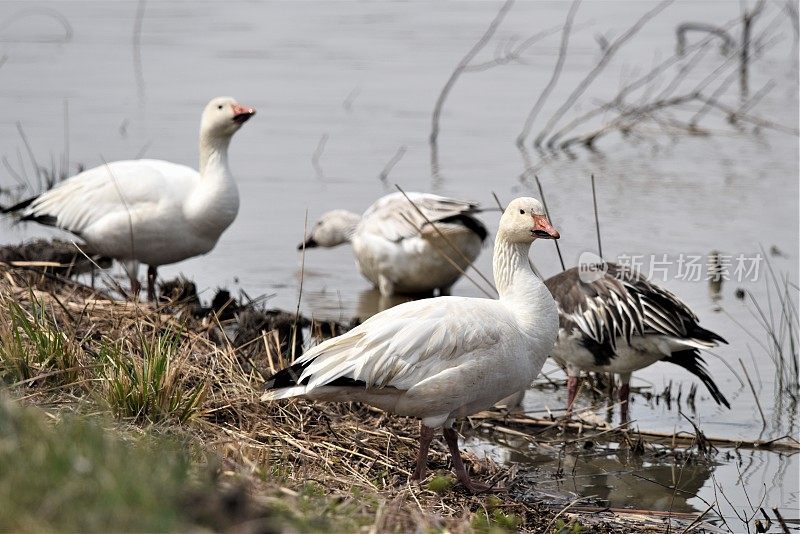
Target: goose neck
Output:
[(512, 271), (349, 224), (214, 154)]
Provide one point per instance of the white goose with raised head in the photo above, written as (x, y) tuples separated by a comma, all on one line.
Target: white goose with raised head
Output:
[(396, 245), (447, 357), (614, 320), (151, 211)]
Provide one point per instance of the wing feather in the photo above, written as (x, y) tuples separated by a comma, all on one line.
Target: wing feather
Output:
[(623, 303), (84, 199), (395, 218), (406, 344)]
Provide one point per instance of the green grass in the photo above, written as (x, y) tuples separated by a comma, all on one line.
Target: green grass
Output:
[(32, 345), (73, 476), (151, 387), (494, 522)]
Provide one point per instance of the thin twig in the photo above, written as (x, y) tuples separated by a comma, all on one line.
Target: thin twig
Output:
[(32, 157), (748, 17), (513, 53), (65, 170), (778, 515), (596, 221), (608, 54), (497, 200), (445, 238), (755, 396), (451, 81), (347, 103), (562, 56), (547, 212), (300, 292), (401, 150), (46, 11), (317, 155)]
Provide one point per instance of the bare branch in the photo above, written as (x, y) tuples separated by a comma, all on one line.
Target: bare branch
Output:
[(637, 113), (757, 121), (437, 109), (747, 22), (47, 12), (700, 47), (608, 54), (512, 53), (706, 107), (401, 150), (756, 98), (629, 115), (347, 103), (562, 56), (728, 42), (317, 155)]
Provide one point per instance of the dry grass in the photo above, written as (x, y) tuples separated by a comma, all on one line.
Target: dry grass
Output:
[(334, 466)]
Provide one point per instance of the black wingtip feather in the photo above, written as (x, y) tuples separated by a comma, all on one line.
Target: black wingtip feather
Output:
[(469, 222), (694, 363), (287, 378), (706, 335), (18, 206)]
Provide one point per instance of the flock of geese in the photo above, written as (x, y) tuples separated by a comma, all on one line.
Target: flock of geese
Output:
[(435, 359)]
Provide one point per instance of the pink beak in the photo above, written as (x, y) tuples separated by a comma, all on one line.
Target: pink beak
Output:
[(242, 113), (543, 229)]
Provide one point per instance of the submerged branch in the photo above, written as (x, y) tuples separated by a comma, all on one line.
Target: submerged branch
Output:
[(451, 81), (608, 54)]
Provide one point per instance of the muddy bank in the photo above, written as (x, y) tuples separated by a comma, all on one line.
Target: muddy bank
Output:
[(351, 462)]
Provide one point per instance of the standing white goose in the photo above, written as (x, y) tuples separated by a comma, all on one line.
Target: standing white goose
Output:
[(151, 211), (395, 246), (616, 321), (442, 358)]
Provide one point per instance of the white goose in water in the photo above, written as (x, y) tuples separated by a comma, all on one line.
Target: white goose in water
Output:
[(613, 320), (397, 249), (442, 358), (151, 211)]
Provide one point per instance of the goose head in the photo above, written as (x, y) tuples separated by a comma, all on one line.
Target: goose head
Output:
[(223, 116), (524, 221), (333, 228)]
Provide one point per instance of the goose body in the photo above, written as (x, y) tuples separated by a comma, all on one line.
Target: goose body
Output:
[(442, 358), (616, 321), (398, 249), (151, 211)]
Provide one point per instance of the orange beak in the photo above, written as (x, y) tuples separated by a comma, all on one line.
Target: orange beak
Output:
[(543, 229), (242, 113)]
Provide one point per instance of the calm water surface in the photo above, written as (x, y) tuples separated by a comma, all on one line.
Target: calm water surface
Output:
[(366, 77)]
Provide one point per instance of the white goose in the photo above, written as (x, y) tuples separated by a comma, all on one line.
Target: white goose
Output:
[(397, 249), (442, 358), (151, 211), (614, 320)]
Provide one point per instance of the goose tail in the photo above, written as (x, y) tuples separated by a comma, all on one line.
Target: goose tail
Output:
[(694, 363)]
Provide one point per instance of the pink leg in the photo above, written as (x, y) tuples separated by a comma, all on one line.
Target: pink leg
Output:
[(572, 390), (451, 438), (425, 438), (624, 397)]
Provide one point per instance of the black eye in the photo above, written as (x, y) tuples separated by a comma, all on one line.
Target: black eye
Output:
[(219, 107), (522, 212)]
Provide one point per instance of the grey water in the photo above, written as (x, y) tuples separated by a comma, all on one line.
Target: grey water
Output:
[(354, 82)]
